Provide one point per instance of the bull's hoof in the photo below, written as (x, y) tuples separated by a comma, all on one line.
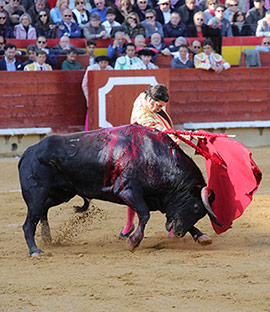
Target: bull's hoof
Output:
[(204, 240), (126, 236), (134, 241), (35, 253)]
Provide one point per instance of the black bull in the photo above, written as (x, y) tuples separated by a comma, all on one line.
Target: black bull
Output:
[(130, 165)]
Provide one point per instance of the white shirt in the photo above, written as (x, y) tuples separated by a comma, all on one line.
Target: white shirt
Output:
[(108, 26)]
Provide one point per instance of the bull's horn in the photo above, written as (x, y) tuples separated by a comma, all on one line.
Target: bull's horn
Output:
[(204, 196)]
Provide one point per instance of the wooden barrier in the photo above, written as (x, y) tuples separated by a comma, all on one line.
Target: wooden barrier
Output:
[(264, 57), (55, 99), (42, 99)]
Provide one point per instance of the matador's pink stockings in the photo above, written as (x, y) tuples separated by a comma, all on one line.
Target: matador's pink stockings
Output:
[(130, 220)]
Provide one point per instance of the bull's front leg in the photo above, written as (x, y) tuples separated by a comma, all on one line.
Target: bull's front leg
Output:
[(133, 197), (135, 239)]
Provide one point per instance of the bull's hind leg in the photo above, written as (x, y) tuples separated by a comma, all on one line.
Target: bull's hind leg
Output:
[(45, 228)]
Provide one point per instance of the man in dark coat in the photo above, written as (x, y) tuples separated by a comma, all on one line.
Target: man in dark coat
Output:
[(175, 27), (164, 11), (140, 7), (9, 62), (255, 14)]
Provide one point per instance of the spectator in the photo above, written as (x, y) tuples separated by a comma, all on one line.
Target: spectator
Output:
[(2, 45), (187, 11), (100, 9), (265, 46), (195, 47), (110, 23), (129, 61), (210, 11), (31, 51), (175, 44), (93, 29), (102, 63), (39, 64), (124, 8), (255, 14), (132, 27), (119, 46), (140, 8), (157, 43), (239, 25), (67, 27), (200, 30), (175, 27), (163, 11), (41, 44), (57, 12), (2, 10), (35, 9), (208, 60), (232, 7), (90, 50), (139, 42), (80, 15), (15, 10), (45, 26), (219, 21), (71, 61), (9, 62), (26, 4), (263, 28), (182, 60), (150, 24), (5, 30), (63, 46), (25, 30), (146, 55)]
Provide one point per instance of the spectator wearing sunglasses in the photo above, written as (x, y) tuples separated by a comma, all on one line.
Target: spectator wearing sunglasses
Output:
[(195, 47), (2, 10), (100, 9), (45, 26), (263, 28), (132, 27), (239, 25), (5, 29), (41, 44), (175, 27), (35, 9), (81, 15), (15, 10), (210, 11), (150, 24), (264, 47), (163, 11), (140, 8), (232, 7), (67, 27), (220, 22)]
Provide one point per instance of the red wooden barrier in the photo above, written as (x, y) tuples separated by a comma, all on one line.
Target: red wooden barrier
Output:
[(55, 99), (42, 99)]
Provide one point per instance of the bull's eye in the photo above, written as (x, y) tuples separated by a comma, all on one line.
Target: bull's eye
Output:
[(196, 208)]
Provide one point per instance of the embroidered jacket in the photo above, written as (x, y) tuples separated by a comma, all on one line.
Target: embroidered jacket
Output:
[(202, 61)]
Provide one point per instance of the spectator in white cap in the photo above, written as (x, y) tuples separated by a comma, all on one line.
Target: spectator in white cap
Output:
[(164, 11)]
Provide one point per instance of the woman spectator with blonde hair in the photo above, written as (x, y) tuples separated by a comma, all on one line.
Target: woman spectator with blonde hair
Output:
[(124, 8), (56, 13), (210, 11), (24, 30), (132, 27), (80, 15)]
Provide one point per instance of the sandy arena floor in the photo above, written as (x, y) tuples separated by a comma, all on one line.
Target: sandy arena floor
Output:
[(88, 269)]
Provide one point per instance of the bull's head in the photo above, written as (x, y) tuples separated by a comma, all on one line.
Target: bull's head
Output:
[(194, 207)]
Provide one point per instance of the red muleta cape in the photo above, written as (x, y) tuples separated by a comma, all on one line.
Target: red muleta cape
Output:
[(234, 183)]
